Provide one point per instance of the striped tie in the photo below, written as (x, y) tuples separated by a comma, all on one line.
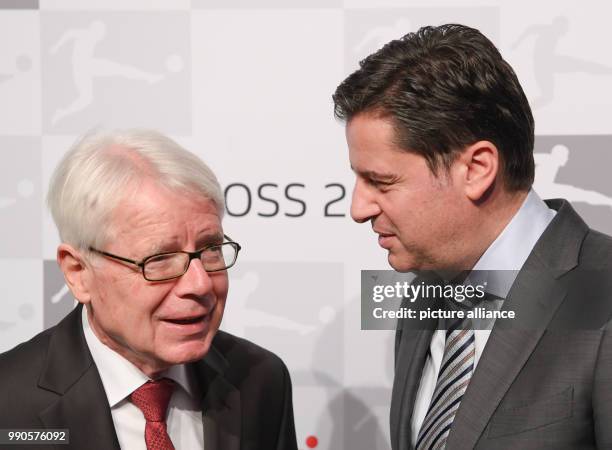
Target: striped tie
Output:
[(455, 373)]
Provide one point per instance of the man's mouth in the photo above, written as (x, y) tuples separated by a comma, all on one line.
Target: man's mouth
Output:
[(384, 240), (186, 320)]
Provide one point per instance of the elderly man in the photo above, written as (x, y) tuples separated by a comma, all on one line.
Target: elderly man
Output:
[(140, 362), (440, 138)]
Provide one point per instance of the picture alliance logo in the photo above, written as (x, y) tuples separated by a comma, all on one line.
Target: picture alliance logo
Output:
[(286, 200)]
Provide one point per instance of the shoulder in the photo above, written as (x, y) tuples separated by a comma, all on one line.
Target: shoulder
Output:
[(263, 382), (596, 250), (590, 282), (244, 357), (256, 372), (21, 368), (32, 356), (25, 358)]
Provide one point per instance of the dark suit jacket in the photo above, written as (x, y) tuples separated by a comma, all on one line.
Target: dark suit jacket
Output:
[(51, 381), (541, 387)]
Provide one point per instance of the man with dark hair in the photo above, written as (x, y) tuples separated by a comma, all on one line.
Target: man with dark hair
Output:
[(440, 138)]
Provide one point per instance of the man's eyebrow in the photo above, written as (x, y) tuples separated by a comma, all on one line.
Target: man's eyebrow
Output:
[(171, 244), (372, 174), (209, 238), (168, 245)]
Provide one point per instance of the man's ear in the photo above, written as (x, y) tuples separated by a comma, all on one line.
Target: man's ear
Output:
[(76, 272), (481, 165)]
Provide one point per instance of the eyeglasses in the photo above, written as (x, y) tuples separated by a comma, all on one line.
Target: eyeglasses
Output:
[(168, 265)]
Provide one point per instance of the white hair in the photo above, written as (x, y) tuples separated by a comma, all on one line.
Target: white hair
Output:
[(97, 172)]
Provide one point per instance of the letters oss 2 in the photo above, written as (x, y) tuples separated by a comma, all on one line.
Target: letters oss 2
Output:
[(290, 200)]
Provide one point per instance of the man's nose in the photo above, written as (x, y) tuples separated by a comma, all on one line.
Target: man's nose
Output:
[(196, 280), (363, 204)]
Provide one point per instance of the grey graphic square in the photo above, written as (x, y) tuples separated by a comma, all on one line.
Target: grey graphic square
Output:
[(293, 309), (367, 30), (53, 149), (20, 91), (20, 197), (353, 418), (321, 417), (116, 69), (554, 66), (21, 291), (18, 4), (265, 4), (358, 409), (577, 168), (114, 5), (354, 414), (58, 300)]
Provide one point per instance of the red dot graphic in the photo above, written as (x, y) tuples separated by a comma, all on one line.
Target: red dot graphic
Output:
[(312, 441)]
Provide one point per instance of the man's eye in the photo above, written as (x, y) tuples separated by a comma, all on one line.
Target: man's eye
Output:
[(378, 184)]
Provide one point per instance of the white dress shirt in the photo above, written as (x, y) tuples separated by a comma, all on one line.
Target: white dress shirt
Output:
[(508, 252), (120, 378)]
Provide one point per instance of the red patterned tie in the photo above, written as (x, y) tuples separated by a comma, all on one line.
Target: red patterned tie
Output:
[(152, 399)]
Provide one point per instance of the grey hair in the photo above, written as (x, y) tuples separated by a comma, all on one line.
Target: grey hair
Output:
[(101, 167)]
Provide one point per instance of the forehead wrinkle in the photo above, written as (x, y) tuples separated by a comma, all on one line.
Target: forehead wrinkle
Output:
[(151, 228), (139, 219), (158, 233), (141, 228)]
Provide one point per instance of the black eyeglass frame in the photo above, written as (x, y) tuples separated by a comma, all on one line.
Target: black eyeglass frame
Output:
[(192, 255)]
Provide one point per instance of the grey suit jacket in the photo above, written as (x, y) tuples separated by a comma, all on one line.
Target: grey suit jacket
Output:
[(51, 381), (542, 387)]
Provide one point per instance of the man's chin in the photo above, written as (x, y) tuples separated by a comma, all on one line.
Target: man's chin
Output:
[(401, 264), (187, 352)]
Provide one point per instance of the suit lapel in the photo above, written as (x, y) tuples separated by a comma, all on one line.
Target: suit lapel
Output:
[(535, 296), (412, 347), (411, 354), (506, 352), (84, 411), (221, 405), (82, 406)]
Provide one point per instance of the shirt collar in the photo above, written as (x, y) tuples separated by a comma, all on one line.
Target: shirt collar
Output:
[(120, 377), (503, 259)]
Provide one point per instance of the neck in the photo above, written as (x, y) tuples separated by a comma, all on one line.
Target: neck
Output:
[(150, 368), (493, 215)]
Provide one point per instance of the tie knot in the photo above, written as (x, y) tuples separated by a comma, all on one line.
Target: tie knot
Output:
[(152, 399)]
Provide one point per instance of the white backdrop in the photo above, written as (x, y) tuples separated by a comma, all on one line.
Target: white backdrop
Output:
[(247, 86)]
